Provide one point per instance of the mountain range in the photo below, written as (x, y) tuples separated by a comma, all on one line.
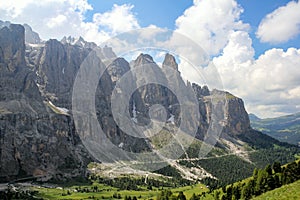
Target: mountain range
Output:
[(284, 128), (38, 136)]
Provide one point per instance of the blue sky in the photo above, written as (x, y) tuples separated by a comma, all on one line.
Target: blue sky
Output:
[(254, 12), (163, 13), (253, 44)]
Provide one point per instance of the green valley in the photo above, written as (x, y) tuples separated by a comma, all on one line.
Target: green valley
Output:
[(285, 128)]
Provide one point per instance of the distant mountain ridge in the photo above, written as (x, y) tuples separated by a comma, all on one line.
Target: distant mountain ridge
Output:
[(253, 117), (284, 128)]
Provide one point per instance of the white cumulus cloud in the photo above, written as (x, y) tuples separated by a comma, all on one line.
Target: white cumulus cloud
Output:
[(56, 18), (269, 84), (210, 22), (119, 19), (281, 25)]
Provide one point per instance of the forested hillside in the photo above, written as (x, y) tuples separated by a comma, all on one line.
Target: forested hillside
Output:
[(263, 180)]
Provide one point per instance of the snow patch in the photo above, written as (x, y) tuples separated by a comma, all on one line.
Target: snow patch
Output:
[(63, 111), (171, 119), (121, 145), (134, 113), (35, 45)]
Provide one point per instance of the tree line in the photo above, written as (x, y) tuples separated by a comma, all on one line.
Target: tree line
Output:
[(263, 180)]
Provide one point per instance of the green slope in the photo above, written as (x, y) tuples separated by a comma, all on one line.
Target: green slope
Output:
[(286, 192), (107, 192)]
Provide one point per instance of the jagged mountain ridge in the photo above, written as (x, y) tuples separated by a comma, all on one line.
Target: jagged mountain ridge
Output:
[(38, 136)]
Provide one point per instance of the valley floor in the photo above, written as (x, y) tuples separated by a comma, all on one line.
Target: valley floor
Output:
[(101, 191)]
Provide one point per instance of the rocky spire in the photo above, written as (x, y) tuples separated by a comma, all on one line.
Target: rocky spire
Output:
[(170, 62), (143, 59), (117, 69)]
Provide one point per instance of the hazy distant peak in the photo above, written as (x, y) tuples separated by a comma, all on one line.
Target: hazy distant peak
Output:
[(4, 23), (77, 42), (253, 117)]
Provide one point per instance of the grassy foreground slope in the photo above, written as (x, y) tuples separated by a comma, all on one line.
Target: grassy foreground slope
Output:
[(286, 192), (101, 191)]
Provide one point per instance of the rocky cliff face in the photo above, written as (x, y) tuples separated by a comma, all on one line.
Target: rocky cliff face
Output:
[(37, 133), (35, 141), (57, 68), (237, 117), (12, 47)]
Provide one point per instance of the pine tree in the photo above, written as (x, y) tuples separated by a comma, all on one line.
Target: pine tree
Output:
[(164, 195), (195, 197), (277, 181), (127, 198), (181, 196), (246, 191), (217, 194), (224, 197), (236, 192), (255, 172), (276, 167), (270, 183), (268, 169), (260, 182), (229, 192)]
